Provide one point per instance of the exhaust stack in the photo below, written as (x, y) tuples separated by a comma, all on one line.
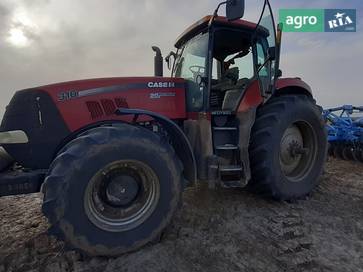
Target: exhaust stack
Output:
[(158, 62)]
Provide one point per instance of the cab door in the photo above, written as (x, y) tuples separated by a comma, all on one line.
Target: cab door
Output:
[(267, 52)]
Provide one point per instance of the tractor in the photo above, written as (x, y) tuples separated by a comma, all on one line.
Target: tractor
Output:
[(112, 156)]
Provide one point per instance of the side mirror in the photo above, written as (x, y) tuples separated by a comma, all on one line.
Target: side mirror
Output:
[(235, 9)]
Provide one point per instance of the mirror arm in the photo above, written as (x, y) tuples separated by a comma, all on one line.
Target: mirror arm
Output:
[(167, 58), (215, 14)]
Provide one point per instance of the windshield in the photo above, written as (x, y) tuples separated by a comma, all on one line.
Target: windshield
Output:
[(190, 64), (191, 61)]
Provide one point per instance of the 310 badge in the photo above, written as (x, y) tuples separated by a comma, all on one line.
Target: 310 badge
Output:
[(64, 96)]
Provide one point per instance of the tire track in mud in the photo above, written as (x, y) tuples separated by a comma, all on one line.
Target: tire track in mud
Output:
[(294, 246), (287, 237)]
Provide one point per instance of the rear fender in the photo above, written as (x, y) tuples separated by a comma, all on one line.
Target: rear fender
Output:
[(179, 140), (292, 86)]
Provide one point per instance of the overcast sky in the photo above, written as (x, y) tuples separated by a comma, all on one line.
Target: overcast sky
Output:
[(46, 41)]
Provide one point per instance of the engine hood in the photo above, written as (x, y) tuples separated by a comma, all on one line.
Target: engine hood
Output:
[(86, 101), (51, 114)]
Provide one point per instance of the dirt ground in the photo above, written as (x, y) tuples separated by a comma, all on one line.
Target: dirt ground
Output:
[(220, 230)]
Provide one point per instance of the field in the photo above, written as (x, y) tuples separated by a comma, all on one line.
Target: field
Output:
[(219, 230)]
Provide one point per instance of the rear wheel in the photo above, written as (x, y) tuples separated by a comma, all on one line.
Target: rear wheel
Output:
[(112, 190), (289, 147)]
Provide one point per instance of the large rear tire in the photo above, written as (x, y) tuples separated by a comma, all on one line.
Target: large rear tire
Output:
[(289, 147), (112, 190)]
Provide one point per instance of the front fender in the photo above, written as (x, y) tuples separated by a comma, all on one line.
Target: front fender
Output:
[(179, 140)]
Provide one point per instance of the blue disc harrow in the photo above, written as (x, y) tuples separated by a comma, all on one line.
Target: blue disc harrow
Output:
[(345, 132)]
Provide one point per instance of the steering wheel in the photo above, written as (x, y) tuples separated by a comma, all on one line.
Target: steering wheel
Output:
[(197, 70)]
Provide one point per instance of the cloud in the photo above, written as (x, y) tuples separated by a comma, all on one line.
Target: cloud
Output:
[(90, 38)]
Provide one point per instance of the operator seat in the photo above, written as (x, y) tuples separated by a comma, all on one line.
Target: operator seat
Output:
[(231, 98), (228, 80)]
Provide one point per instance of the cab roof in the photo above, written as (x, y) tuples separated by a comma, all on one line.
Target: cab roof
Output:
[(220, 21)]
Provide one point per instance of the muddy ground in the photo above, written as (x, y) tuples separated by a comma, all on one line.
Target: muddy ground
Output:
[(220, 230)]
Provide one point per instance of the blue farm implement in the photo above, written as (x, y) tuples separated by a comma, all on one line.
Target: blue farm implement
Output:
[(345, 132)]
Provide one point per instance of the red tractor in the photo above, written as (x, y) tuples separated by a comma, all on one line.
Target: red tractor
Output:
[(113, 155)]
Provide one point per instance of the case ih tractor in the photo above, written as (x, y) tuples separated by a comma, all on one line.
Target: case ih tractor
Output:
[(113, 155)]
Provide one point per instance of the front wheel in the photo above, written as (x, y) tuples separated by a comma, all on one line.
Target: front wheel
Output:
[(112, 190), (289, 147)]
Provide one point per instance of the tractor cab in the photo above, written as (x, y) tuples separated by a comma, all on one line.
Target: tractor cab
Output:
[(221, 57)]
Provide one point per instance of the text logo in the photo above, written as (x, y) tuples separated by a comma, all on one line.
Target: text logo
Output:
[(160, 95), (318, 20), (64, 96), (302, 20), (340, 20), (161, 85)]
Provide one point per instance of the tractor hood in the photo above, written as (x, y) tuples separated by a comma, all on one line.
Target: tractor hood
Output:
[(49, 114), (97, 99)]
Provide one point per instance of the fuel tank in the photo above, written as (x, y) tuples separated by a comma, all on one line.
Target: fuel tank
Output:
[(49, 114)]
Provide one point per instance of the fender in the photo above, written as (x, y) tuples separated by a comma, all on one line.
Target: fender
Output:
[(292, 86), (180, 141)]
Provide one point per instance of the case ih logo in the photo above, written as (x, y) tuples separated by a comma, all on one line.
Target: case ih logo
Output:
[(161, 85), (340, 20)]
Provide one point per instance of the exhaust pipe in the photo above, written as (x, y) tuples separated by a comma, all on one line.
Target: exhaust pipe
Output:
[(158, 62)]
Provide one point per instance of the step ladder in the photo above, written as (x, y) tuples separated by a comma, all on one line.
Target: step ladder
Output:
[(227, 164)]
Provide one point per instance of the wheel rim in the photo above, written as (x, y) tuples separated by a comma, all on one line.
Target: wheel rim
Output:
[(122, 195), (298, 151)]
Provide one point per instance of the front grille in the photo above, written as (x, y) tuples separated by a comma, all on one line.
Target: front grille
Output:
[(105, 107), (108, 106), (95, 109)]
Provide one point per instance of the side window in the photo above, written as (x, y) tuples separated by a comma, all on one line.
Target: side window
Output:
[(264, 73), (215, 72), (261, 58), (244, 64)]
